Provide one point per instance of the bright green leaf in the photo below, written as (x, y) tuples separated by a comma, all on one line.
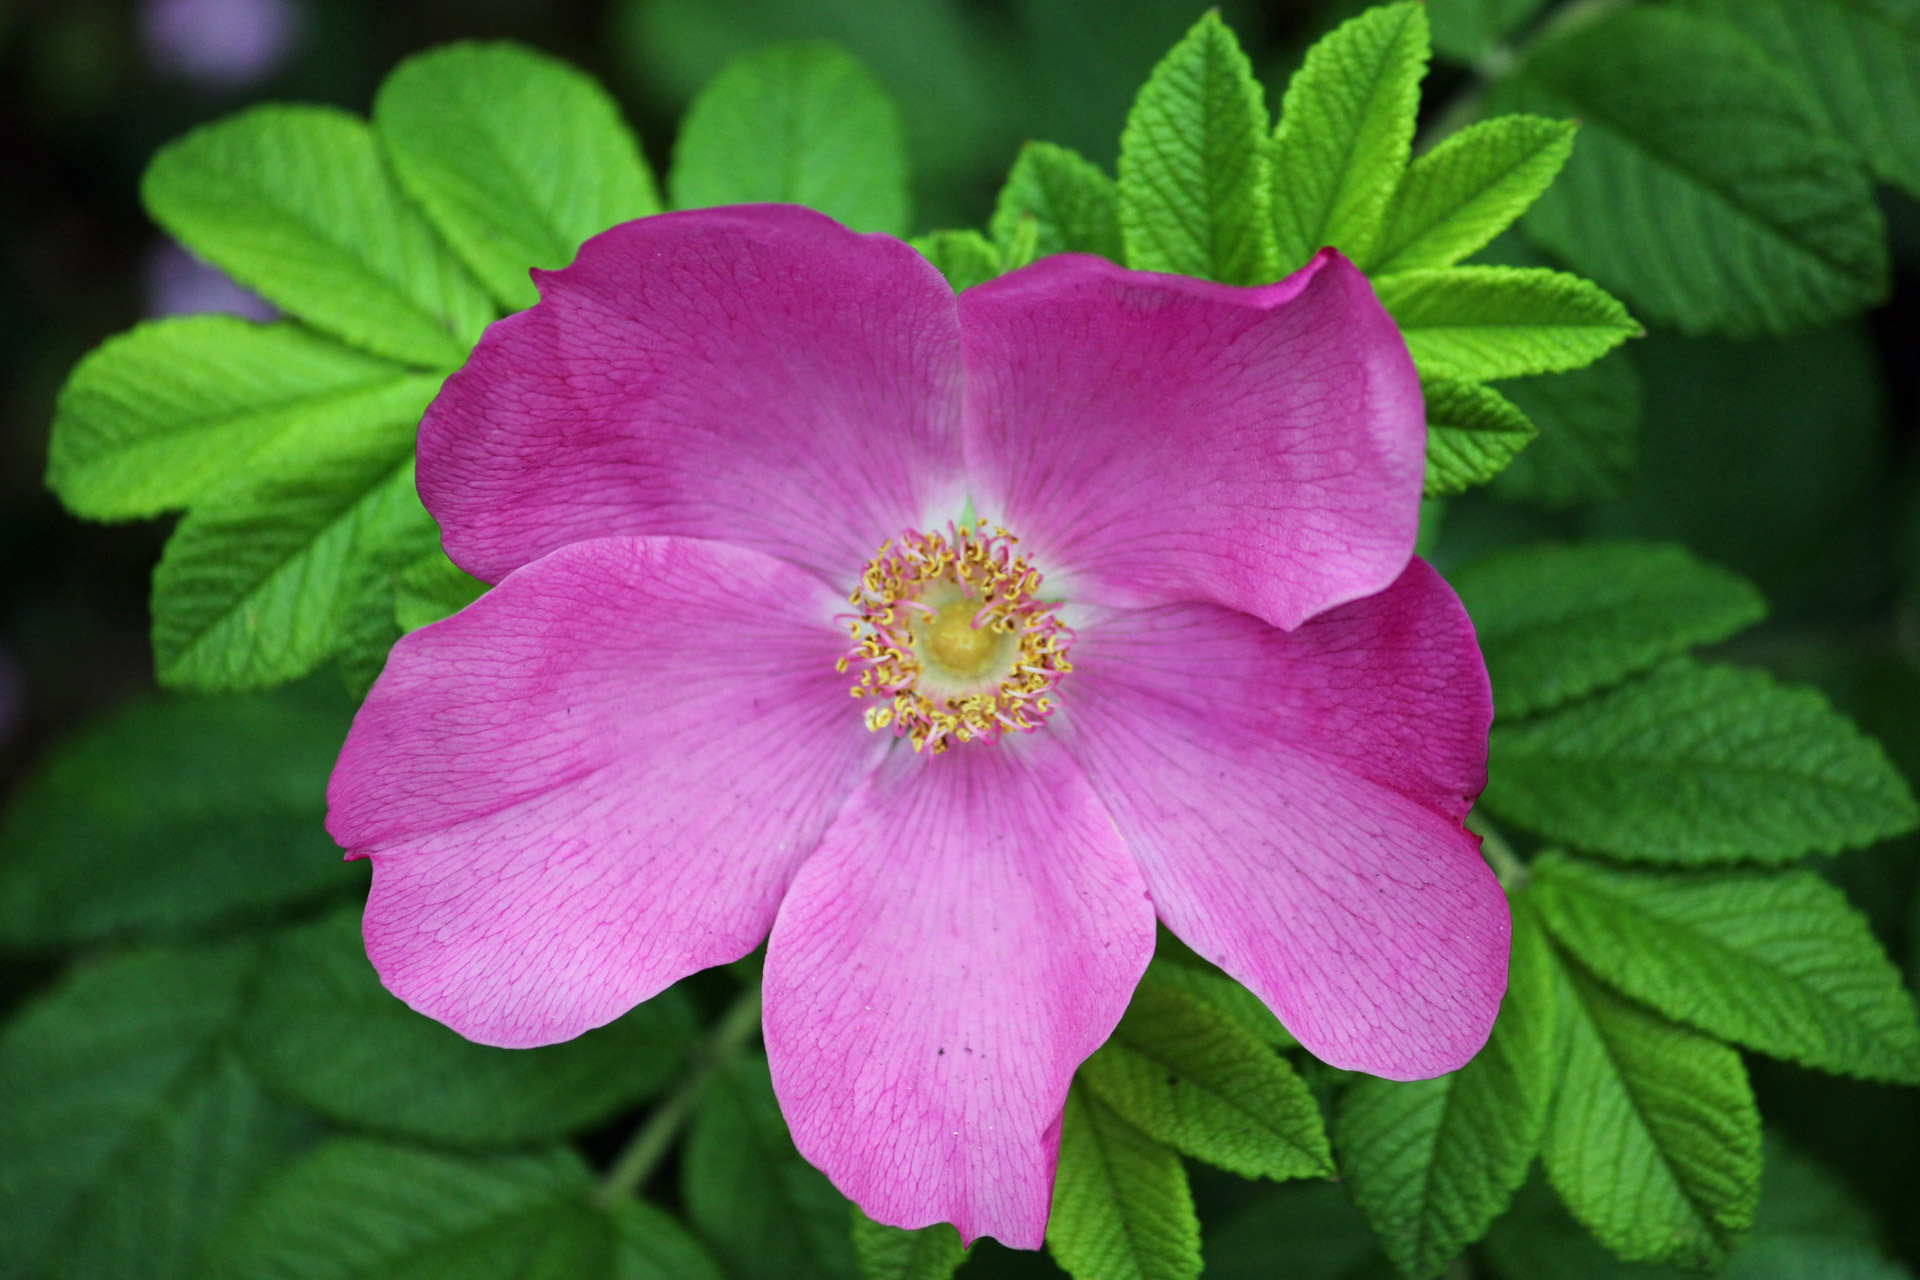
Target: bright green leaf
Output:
[(1698, 764), (888, 1253), (965, 258), (1193, 164), (516, 156), (296, 203), (1705, 188), (431, 588), (1121, 1208), (1468, 29), (1457, 197), (1071, 204), (1481, 323), (1557, 622), (1186, 1074), (1589, 422), (1473, 432), (1346, 130), (796, 123)]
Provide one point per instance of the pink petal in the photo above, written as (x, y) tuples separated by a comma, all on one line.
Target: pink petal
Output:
[(1154, 438), (595, 780), (1295, 798), (756, 374), (968, 932)]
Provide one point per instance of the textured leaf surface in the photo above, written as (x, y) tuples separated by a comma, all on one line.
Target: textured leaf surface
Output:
[(1778, 962), (516, 157), (1434, 1162), (888, 1253), (769, 1214), (1457, 197), (1473, 432), (800, 124), (1698, 764), (431, 588), (129, 1125), (1653, 1141), (1557, 622), (1705, 187), (965, 258), (1121, 1208), (1188, 1075), (1193, 164), (1503, 322), (1589, 422), (173, 815), (158, 417), (1467, 29), (1073, 206), (1346, 130), (1204, 982), (296, 203), (324, 1032)]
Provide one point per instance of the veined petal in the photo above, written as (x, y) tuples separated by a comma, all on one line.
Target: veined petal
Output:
[(756, 374), (970, 929), (1153, 438), (595, 780), (1294, 799)]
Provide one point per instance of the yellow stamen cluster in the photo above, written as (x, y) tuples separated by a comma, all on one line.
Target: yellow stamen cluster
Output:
[(951, 639)]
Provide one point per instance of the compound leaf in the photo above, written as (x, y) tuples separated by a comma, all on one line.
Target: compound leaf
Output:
[(1121, 1208), (1481, 323), (1457, 197)]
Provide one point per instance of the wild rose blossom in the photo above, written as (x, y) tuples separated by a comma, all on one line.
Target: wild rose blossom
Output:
[(1116, 568)]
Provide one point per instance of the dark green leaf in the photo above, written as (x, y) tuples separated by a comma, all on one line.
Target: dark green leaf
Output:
[(1468, 29), (1121, 1209), (888, 1253), (1473, 433), (1072, 205), (1589, 420)]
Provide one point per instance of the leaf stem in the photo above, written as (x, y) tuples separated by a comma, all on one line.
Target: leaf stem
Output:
[(1500, 856), (651, 1142)]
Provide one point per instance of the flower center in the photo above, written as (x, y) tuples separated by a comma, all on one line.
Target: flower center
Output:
[(951, 639)]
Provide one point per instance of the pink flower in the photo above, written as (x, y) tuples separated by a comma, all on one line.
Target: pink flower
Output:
[(1207, 682)]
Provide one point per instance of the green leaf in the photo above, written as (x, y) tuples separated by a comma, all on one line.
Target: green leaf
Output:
[(296, 203), (131, 1128), (1467, 30), (1346, 130), (888, 1253), (1473, 432), (1705, 188), (1073, 206), (1480, 323), (1653, 1140), (431, 588), (262, 582), (1777, 962), (797, 123), (1295, 1231), (1121, 1208), (355, 1209), (965, 258), (1457, 197), (1557, 622), (1861, 61), (324, 1032), (1188, 1075), (1434, 1162), (1206, 983), (1193, 164), (1589, 422), (160, 416), (768, 1213), (172, 816), (1698, 764), (516, 157)]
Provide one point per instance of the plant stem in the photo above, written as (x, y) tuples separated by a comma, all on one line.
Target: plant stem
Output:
[(651, 1142), (1499, 854)]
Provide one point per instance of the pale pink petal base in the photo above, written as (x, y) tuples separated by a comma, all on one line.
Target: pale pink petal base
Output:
[(1294, 800), (968, 932), (594, 781)]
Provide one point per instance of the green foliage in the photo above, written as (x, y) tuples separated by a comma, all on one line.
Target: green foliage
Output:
[(1346, 130), (173, 816), (1696, 764), (769, 1214), (1589, 421), (799, 123), (1197, 978), (1193, 164), (1778, 962), (888, 1253), (324, 1032), (1457, 197), (297, 204), (1705, 187), (1188, 1075), (1557, 622), (130, 1126), (1473, 433), (1468, 29), (1121, 1208), (516, 157), (1072, 205), (965, 258), (1434, 1162), (1503, 322), (431, 588), (360, 1210)]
